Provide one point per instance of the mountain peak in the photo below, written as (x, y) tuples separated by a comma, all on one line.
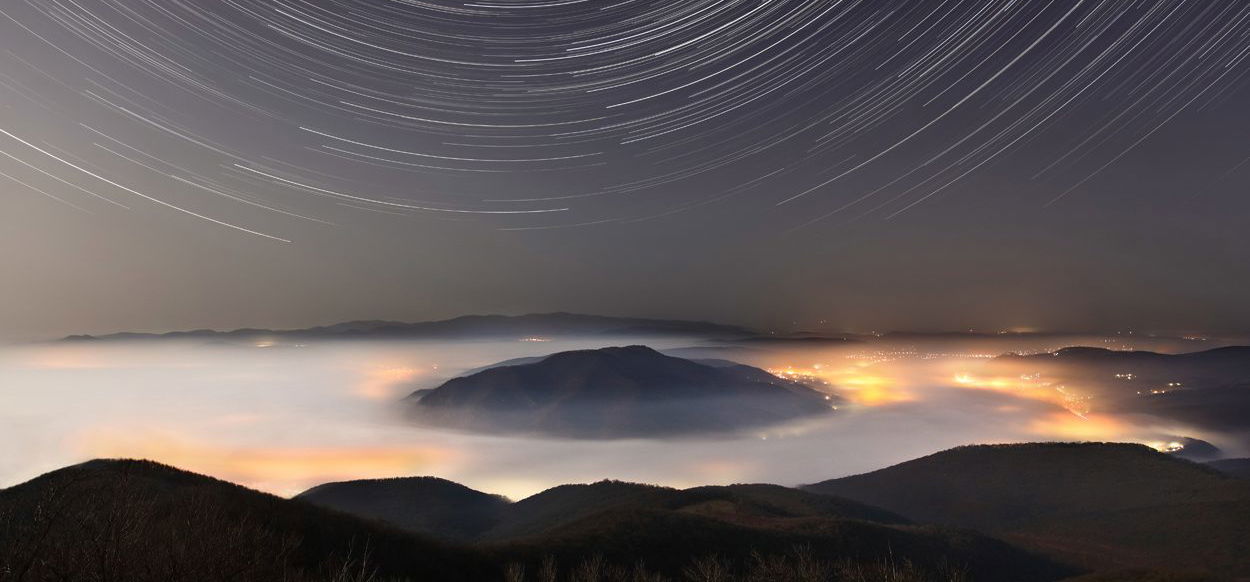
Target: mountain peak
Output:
[(616, 392)]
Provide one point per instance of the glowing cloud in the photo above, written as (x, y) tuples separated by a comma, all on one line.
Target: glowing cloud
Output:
[(281, 469)]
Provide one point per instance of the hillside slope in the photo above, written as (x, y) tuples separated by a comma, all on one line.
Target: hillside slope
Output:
[(1235, 467), (142, 521), (1100, 505), (425, 505)]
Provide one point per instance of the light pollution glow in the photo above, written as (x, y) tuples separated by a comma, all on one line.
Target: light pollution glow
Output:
[(285, 418)]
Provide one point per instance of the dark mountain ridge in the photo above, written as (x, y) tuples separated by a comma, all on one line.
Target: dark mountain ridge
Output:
[(415, 505), (130, 521), (1097, 504), (425, 505), (1106, 506), (141, 521), (624, 521), (1224, 362)]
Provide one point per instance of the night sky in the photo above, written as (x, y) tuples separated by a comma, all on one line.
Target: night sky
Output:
[(857, 165)]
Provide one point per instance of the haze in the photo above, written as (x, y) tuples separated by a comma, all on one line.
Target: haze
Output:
[(285, 417)]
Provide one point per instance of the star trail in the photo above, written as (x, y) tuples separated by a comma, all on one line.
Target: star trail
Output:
[(540, 114), (942, 163)]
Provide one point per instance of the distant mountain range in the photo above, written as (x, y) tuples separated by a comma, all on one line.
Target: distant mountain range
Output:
[(1046, 512), (620, 392), (539, 325), (562, 324), (1218, 362)]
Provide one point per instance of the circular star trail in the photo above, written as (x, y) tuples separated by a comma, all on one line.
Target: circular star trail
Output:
[(551, 114)]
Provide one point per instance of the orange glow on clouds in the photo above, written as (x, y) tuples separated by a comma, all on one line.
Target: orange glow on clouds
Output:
[(1092, 427), (1028, 387), (872, 390), (384, 383), (854, 383), (278, 469), (722, 471), (66, 358)]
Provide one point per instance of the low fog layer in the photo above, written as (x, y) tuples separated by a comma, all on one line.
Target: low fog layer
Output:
[(284, 417)]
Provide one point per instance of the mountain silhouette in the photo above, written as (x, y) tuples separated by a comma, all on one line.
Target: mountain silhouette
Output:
[(465, 327), (1096, 504), (141, 521), (426, 505), (620, 392)]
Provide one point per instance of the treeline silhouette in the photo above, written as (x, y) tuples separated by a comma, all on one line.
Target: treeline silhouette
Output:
[(136, 521), (1054, 511), (1097, 505)]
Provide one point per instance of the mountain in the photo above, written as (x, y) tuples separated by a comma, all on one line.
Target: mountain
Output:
[(713, 362), (1095, 504), (625, 522), (817, 549), (545, 325), (1140, 368), (1226, 360), (1193, 449), (140, 521), (621, 392), (425, 505), (431, 506), (561, 506), (1124, 510)]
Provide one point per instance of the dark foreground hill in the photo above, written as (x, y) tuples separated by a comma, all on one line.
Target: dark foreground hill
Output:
[(464, 327), (615, 393), (1121, 509), (141, 521), (858, 548), (1235, 467), (1100, 505), (623, 522), (425, 505)]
